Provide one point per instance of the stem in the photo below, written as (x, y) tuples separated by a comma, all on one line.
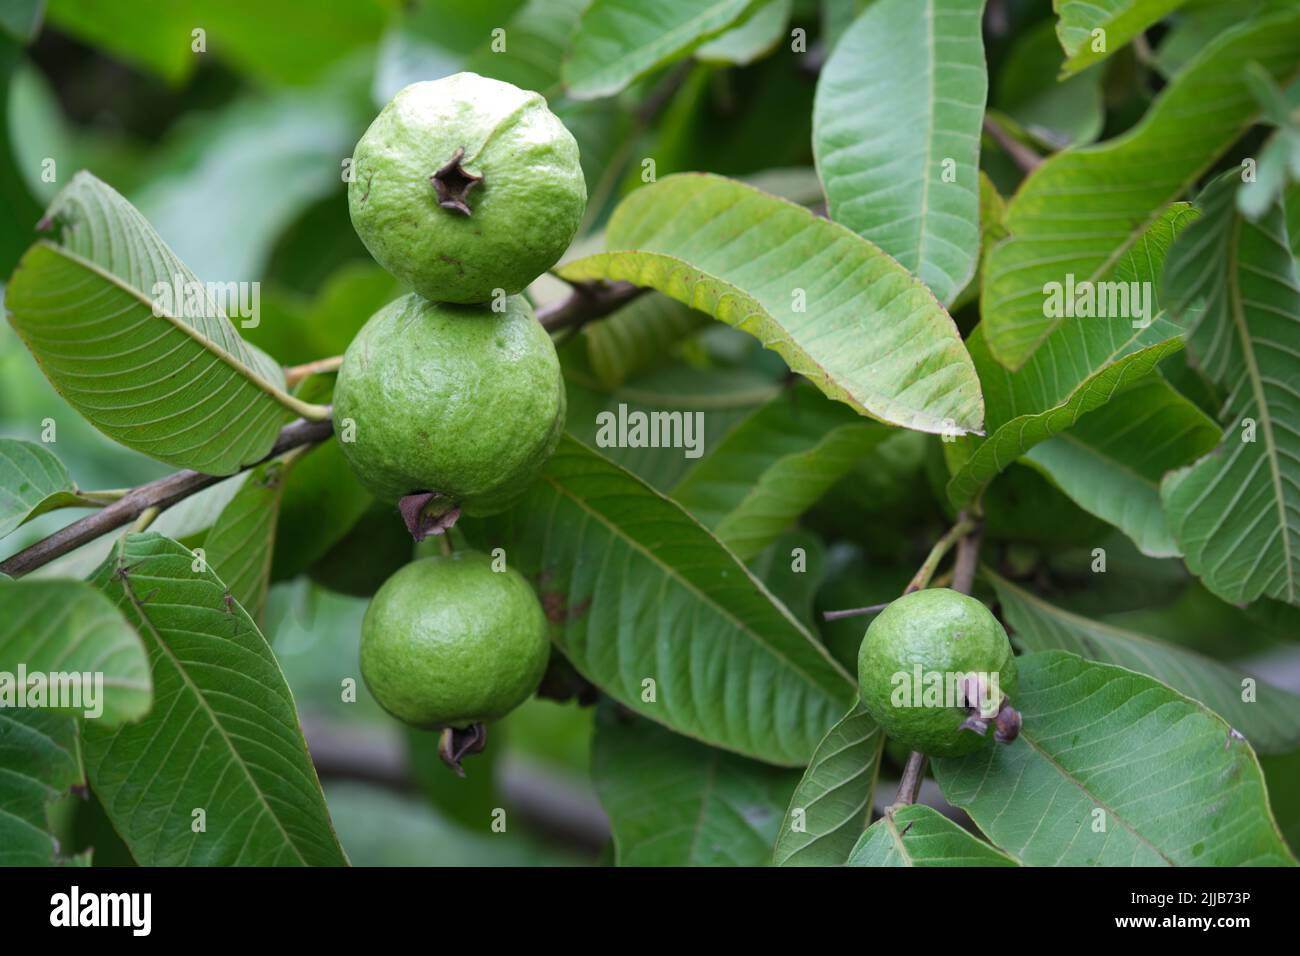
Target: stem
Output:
[(854, 612), (160, 494), (146, 518), (913, 774), (968, 556), (964, 526), (1020, 154), (590, 300), (296, 373)]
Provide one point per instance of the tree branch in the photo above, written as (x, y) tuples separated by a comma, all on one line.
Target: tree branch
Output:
[(589, 301), (1020, 154), (160, 494)]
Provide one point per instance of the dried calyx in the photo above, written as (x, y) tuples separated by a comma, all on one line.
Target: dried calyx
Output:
[(453, 183), (457, 743), (428, 513), (1006, 721)]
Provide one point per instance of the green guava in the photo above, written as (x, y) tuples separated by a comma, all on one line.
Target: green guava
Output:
[(460, 402), (449, 642), (466, 185), (936, 671)]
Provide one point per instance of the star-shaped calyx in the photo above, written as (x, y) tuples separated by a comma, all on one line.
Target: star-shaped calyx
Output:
[(453, 182)]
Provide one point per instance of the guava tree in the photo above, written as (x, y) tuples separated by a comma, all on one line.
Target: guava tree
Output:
[(727, 361)]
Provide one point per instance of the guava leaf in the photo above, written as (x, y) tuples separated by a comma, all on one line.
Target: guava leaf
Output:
[(651, 608), (239, 545), (831, 806), (67, 627), (182, 387), (1118, 21), (716, 398), (917, 835), (674, 802), (1111, 461), (618, 41), (32, 482), (1083, 364), (1236, 512), (757, 36), (1270, 721), (793, 578), (773, 466), (41, 762), (1027, 94), (223, 737), (1113, 768), (836, 308), (896, 134), (637, 336), (1069, 217)]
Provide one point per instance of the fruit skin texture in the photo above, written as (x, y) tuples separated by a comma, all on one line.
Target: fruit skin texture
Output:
[(448, 642), (946, 632), (458, 400), (523, 214)]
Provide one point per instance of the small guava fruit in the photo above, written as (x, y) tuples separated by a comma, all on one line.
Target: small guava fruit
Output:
[(445, 408), (936, 671), (450, 643), (466, 185)]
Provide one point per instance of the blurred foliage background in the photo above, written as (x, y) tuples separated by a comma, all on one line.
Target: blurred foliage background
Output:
[(235, 155)]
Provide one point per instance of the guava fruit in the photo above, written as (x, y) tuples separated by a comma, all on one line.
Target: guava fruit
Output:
[(936, 671), (448, 642), (458, 403), (466, 185)]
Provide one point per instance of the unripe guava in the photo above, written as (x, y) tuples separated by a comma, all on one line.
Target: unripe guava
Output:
[(956, 638), (449, 642), (466, 185), (459, 401)]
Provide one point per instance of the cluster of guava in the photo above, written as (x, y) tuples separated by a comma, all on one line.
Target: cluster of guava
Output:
[(450, 399)]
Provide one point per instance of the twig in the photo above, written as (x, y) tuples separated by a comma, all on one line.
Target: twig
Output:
[(968, 556), (964, 526), (913, 774), (160, 494), (1020, 154), (854, 612), (589, 300), (296, 373)]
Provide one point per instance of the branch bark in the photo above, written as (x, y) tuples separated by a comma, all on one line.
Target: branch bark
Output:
[(160, 494), (589, 301), (1020, 154)]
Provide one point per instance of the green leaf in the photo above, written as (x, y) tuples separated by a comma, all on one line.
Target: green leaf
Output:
[(618, 41), (756, 37), (238, 547), (39, 762), (223, 736), (723, 396), (66, 628), (831, 806), (1084, 25), (830, 303), (917, 835), (639, 591), (773, 466), (674, 802), (21, 19), (637, 336), (1102, 746), (1236, 513), (182, 387), (1057, 114), (1070, 218), (896, 133), (1081, 366), (32, 482), (536, 37), (1111, 461), (1270, 720), (158, 41)]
